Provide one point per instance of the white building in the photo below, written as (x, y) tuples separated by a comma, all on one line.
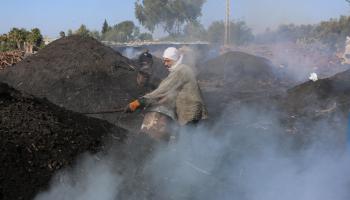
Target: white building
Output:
[(48, 40)]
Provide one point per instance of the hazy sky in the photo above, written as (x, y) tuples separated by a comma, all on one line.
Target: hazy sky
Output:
[(52, 16)]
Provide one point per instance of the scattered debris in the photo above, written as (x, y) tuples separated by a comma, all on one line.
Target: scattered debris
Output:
[(9, 58)]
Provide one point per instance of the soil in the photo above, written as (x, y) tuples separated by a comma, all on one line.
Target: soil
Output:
[(310, 97), (239, 78), (80, 74), (39, 138), (326, 99)]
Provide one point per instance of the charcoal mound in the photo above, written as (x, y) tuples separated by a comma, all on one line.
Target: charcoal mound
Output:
[(38, 138), (324, 103), (320, 98), (237, 78), (240, 70), (80, 74)]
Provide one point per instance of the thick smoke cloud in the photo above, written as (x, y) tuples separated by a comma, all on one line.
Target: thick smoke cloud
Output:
[(246, 155)]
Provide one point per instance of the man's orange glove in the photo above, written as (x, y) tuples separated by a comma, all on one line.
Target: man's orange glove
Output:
[(134, 105)]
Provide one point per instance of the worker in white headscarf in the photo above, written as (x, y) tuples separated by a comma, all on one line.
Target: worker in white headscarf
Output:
[(177, 99)]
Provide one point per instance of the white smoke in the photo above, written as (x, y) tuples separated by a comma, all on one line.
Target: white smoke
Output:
[(246, 155), (250, 159), (91, 179), (131, 53)]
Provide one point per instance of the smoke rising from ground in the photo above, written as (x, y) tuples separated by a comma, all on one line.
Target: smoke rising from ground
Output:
[(93, 178), (131, 53), (244, 156)]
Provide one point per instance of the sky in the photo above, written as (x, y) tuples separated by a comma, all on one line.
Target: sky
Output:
[(53, 16)]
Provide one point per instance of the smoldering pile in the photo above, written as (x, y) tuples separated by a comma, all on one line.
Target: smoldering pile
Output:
[(238, 78), (322, 97), (80, 74), (326, 100), (39, 138)]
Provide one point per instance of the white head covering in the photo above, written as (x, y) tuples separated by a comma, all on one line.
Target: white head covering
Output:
[(173, 54)]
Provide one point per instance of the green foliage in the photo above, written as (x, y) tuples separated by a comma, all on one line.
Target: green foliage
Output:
[(34, 37), (240, 33), (216, 32), (70, 32), (123, 32), (331, 33), (85, 32), (3, 38), (18, 36), (171, 15), (195, 31), (105, 27), (145, 36), (82, 31), (5, 44), (62, 34)]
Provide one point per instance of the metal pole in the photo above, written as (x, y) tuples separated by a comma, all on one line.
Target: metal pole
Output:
[(227, 23)]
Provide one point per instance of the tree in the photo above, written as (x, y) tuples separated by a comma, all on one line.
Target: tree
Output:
[(69, 32), (125, 28), (105, 27), (34, 37), (171, 15), (216, 32), (3, 38), (145, 36), (240, 32), (122, 32), (3, 42), (95, 34), (82, 31), (194, 31), (62, 34), (18, 36)]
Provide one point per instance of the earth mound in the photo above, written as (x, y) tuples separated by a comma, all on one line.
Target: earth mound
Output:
[(321, 98), (237, 78), (80, 74), (38, 138)]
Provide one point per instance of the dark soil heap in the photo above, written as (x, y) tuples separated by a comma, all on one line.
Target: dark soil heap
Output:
[(78, 73), (38, 138), (321, 103), (320, 98), (238, 77)]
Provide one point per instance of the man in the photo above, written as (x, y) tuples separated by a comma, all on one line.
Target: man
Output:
[(145, 75), (145, 58), (176, 101)]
